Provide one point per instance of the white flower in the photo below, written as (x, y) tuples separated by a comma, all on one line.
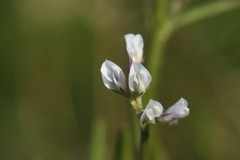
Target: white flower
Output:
[(153, 110), (139, 79), (113, 77), (134, 46), (175, 112)]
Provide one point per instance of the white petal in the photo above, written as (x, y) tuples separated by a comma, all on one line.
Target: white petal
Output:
[(138, 84), (138, 43), (176, 111), (156, 107), (134, 46), (109, 84), (107, 76), (129, 44), (139, 78), (153, 110), (150, 114), (113, 77), (157, 111), (129, 38)]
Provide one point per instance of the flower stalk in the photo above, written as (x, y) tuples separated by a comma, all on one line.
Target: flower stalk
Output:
[(137, 104), (135, 86)]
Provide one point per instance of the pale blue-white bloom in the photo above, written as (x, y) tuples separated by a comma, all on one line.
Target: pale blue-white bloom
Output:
[(134, 46), (113, 77), (153, 110), (175, 112), (139, 79)]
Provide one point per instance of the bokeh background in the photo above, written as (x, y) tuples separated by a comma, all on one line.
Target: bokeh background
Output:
[(52, 96)]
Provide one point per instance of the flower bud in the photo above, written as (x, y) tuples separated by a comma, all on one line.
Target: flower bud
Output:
[(113, 77), (153, 110), (175, 112), (134, 46), (139, 79)]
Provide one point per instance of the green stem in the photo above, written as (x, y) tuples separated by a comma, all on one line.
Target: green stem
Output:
[(162, 6), (156, 54), (136, 102), (163, 33), (143, 140)]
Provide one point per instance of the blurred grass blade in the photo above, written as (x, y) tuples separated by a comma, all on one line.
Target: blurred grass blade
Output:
[(98, 141), (206, 11), (123, 149)]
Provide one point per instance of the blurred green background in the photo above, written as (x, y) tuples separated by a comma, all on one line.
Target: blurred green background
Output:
[(52, 96)]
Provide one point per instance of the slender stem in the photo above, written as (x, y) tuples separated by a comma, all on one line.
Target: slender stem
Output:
[(161, 12), (136, 102), (139, 104), (143, 139)]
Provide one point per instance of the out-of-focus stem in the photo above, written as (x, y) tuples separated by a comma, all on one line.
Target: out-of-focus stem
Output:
[(164, 31), (144, 135), (161, 12), (160, 39)]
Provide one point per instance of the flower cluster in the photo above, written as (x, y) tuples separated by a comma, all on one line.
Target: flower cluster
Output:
[(137, 83)]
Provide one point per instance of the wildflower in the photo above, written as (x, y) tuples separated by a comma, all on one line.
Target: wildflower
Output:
[(175, 112), (153, 110), (139, 79), (113, 77), (134, 46)]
